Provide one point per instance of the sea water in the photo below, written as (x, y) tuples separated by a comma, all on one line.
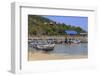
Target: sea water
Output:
[(68, 49), (72, 49)]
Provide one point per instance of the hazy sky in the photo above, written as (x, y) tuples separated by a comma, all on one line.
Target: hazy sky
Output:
[(71, 20)]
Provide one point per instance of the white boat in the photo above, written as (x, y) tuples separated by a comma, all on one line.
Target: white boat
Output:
[(45, 47), (76, 41), (42, 45)]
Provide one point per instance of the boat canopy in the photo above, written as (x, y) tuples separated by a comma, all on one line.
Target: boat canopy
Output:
[(70, 32)]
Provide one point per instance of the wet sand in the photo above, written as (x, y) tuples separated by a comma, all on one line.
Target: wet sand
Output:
[(44, 56)]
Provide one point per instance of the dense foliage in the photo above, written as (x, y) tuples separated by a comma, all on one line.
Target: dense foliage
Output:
[(39, 25)]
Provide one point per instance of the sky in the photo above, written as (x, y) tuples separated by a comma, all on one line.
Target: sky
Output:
[(71, 20)]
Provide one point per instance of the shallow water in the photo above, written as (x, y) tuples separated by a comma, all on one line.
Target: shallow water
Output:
[(65, 49)]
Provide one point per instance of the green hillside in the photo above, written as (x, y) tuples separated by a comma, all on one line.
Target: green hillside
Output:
[(38, 25)]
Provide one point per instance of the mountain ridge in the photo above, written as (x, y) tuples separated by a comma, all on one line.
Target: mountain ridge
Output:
[(39, 25)]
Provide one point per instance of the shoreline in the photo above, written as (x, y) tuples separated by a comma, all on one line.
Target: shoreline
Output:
[(44, 56)]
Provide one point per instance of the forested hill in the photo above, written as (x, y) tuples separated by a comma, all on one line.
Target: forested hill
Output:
[(39, 25)]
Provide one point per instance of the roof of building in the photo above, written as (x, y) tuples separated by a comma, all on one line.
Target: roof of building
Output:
[(70, 32)]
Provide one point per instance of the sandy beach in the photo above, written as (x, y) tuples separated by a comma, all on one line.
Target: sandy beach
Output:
[(44, 56)]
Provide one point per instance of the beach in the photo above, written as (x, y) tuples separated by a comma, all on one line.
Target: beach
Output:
[(60, 51), (45, 56)]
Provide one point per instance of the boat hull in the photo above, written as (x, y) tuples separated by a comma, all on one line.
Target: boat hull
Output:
[(45, 47)]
